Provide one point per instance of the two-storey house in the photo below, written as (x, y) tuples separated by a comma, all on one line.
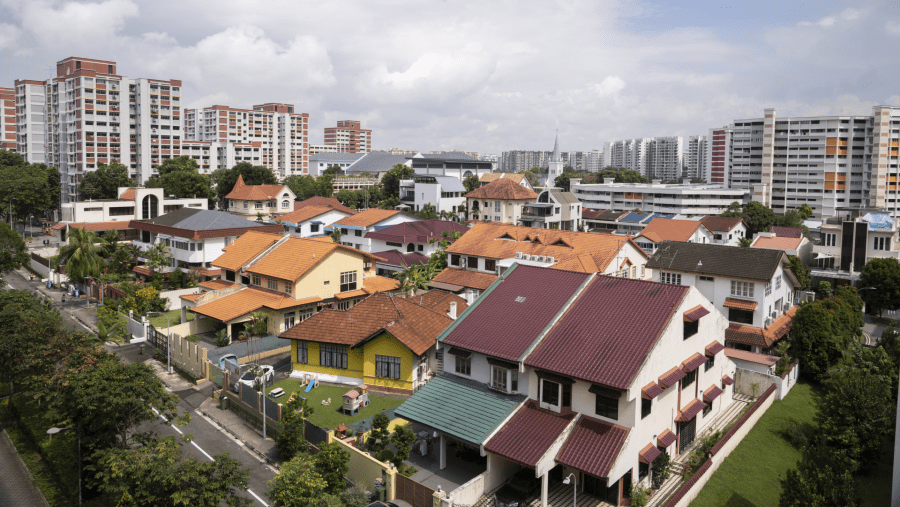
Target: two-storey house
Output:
[(486, 178), (726, 230), (251, 201), (553, 209), (665, 229), (480, 255), (421, 237), (850, 240), (354, 229), (577, 373), (445, 193), (753, 287), (501, 200), (309, 221), (131, 203)]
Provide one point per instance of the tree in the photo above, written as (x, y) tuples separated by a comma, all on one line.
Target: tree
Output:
[(745, 242), (531, 176), (884, 275), (428, 212), (26, 321), (104, 183), (402, 439), (622, 175), (471, 182), (184, 184), (225, 179), (336, 234), (29, 189), (438, 259), (379, 434), (332, 463), (12, 250), (801, 271), (81, 256), (292, 440), (824, 289), (562, 181), (334, 170), (298, 484), (822, 479), (415, 277), (183, 163), (391, 179), (805, 211), (757, 217), (821, 332)]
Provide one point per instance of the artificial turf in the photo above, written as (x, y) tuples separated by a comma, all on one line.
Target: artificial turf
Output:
[(330, 416)]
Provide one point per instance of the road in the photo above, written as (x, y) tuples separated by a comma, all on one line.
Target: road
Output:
[(209, 439)]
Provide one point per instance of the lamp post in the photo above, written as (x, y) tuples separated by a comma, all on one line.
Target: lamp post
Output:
[(101, 285), (168, 343), (77, 428), (571, 478)]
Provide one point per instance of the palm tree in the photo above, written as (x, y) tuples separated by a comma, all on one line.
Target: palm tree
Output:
[(414, 278), (110, 242), (81, 256)]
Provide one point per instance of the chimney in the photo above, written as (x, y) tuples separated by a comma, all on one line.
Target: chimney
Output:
[(453, 310)]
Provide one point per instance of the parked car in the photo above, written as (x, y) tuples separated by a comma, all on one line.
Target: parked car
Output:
[(517, 489), (249, 378)]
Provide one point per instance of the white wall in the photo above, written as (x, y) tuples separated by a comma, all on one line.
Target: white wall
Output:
[(365, 244), (305, 227)]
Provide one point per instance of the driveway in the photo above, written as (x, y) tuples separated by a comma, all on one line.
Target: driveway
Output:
[(874, 326)]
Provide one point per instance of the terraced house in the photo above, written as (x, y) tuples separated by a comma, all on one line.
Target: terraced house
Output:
[(568, 374), (288, 278)]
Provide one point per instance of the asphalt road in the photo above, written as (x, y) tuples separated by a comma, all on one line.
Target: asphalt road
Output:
[(208, 438)]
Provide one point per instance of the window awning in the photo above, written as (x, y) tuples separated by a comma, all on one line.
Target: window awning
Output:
[(651, 390), (695, 313), (690, 410), (605, 391), (712, 393), (693, 362), (739, 304), (649, 453), (726, 380), (824, 256), (459, 352), (559, 379), (502, 364), (714, 348), (671, 377), (665, 439)]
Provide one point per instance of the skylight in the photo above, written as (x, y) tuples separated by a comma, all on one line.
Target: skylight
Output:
[(520, 299)]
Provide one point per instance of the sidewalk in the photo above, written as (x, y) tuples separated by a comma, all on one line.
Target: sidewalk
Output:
[(16, 484), (241, 431), (78, 309)]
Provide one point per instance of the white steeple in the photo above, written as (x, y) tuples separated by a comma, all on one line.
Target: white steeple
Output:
[(556, 165)]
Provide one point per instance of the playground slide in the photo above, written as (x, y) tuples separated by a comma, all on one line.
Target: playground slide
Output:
[(309, 386)]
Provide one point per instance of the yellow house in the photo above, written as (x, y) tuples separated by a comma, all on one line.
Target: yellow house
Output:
[(386, 342), (288, 278)]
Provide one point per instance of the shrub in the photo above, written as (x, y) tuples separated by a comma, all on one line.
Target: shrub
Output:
[(661, 469), (639, 495), (355, 497), (385, 456)]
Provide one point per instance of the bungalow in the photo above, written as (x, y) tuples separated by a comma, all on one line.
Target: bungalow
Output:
[(665, 229), (518, 178), (252, 201), (726, 230), (501, 201)]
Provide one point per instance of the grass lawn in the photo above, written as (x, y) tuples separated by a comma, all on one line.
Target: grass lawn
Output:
[(750, 474), (159, 321), (330, 416)]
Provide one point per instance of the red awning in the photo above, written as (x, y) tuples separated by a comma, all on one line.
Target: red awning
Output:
[(651, 390), (649, 453), (690, 410), (695, 313), (693, 362), (739, 304), (671, 377), (712, 393), (665, 439), (726, 380), (714, 348), (459, 352)]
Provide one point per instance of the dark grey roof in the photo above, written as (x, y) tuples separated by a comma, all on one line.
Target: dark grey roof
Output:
[(446, 155), (721, 260), (202, 220), (450, 184), (335, 157), (375, 162)]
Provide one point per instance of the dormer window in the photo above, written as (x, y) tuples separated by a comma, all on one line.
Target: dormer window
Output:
[(504, 375)]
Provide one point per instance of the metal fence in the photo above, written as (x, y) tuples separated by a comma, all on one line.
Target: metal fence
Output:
[(314, 434), (250, 397), (158, 340)]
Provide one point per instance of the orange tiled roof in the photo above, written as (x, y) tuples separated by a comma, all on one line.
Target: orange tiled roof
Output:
[(661, 229), (247, 246), (764, 338), (740, 304), (414, 326), (489, 177), (777, 243), (210, 271), (216, 284), (439, 301), (192, 297), (368, 217), (248, 300), (380, 284), (502, 189), (305, 213), (245, 192), (753, 357), (502, 241), (465, 278), (721, 224), (328, 202), (128, 195), (292, 258)]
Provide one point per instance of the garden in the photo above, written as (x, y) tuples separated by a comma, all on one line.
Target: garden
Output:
[(330, 416)]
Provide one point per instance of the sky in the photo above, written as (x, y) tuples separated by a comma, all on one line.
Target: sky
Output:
[(486, 76)]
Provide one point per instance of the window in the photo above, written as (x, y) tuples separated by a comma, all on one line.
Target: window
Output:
[(707, 408), (357, 232), (287, 287), (463, 365), (607, 407), (455, 260), (670, 278), (472, 262), (348, 281), (245, 204), (387, 367), (273, 284), (567, 395), (285, 204), (707, 279), (830, 239), (710, 362), (882, 243), (305, 314), (288, 320), (333, 356), (302, 353), (498, 378), (343, 305), (646, 407), (777, 282), (691, 328), (550, 392), (768, 288), (688, 379), (490, 265), (257, 280), (313, 227), (643, 470), (229, 275), (258, 205), (742, 289), (643, 270), (740, 316)]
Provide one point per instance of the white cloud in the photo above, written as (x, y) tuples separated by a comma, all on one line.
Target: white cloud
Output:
[(849, 14)]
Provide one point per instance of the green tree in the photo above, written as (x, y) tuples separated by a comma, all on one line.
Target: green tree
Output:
[(471, 182), (333, 463), (82, 256), (12, 251), (757, 217), (415, 277), (801, 271), (292, 440), (183, 163), (402, 439), (180, 177), (104, 183), (157, 256), (822, 479), (334, 170), (821, 332), (336, 234), (884, 275), (225, 179), (745, 242), (562, 181), (302, 186), (805, 211), (622, 175), (28, 189), (26, 321), (428, 212), (438, 259), (379, 434), (391, 179), (824, 289), (298, 484)]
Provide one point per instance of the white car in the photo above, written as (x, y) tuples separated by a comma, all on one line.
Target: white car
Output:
[(249, 378)]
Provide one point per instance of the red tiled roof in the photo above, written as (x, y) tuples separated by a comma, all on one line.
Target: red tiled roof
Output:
[(714, 348), (740, 304), (580, 348), (439, 301), (666, 438), (765, 338), (726, 380), (777, 243), (367, 218), (216, 284), (529, 434), (508, 319), (461, 277), (651, 390), (695, 313), (209, 271), (417, 232), (320, 201), (192, 297), (244, 192), (305, 213), (591, 213), (690, 410), (244, 301), (712, 393), (693, 362), (671, 377), (786, 232), (593, 446), (721, 224), (752, 357), (396, 258), (502, 189), (649, 453), (128, 194), (661, 229)]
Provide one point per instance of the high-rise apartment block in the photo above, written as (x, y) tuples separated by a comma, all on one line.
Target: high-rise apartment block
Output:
[(81, 118), (349, 137), (654, 157), (695, 157), (514, 161), (271, 135), (827, 162), (7, 119)]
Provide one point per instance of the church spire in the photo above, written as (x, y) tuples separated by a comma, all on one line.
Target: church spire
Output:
[(555, 157)]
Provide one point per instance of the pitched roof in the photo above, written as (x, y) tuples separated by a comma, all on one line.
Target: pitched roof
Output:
[(721, 260), (611, 215), (439, 301), (593, 446), (786, 232), (464, 409), (502, 189), (367, 218), (413, 325), (529, 434), (765, 338), (447, 183), (564, 197), (97, 226), (193, 219), (245, 192), (661, 229), (502, 241), (447, 155), (305, 213), (752, 357), (375, 162), (244, 248), (721, 224), (375, 284), (128, 195), (323, 202), (777, 243), (294, 257), (507, 319), (592, 213), (579, 348), (465, 278), (216, 284), (489, 177), (247, 300), (397, 258), (417, 232)]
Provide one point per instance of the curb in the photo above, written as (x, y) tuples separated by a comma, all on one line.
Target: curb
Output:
[(8, 441), (256, 451)]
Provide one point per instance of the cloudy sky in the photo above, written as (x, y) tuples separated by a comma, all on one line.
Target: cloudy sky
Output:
[(489, 75)]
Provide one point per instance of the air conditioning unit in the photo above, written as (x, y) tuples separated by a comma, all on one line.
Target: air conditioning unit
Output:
[(769, 321), (551, 260), (541, 258), (518, 255), (787, 306)]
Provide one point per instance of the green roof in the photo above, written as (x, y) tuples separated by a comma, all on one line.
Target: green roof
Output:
[(462, 408)]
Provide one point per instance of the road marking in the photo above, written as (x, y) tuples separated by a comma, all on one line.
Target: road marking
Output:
[(258, 498), (201, 450)]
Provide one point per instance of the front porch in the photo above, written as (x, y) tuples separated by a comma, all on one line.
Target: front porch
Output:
[(559, 495)]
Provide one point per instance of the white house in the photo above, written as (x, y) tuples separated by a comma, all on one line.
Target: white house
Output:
[(445, 193), (664, 229), (553, 209), (726, 230), (354, 228), (850, 240), (309, 221), (421, 237), (131, 204)]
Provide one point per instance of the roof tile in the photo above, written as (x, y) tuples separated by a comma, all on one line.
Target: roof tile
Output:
[(244, 248), (693, 362), (721, 224), (648, 453), (368, 218), (593, 446), (786, 232), (502, 189), (661, 229), (323, 202), (671, 377), (529, 434), (752, 357), (740, 304), (777, 243), (305, 213), (247, 300), (721, 260), (666, 438), (711, 393), (461, 277), (244, 192), (418, 232), (690, 410)]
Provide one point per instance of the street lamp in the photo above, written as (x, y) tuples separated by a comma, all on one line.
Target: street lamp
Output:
[(54, 431), (101, 285), (168, 343), (574, 481)]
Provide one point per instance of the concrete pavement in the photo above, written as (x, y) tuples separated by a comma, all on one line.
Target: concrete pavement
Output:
[(16, 486)]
